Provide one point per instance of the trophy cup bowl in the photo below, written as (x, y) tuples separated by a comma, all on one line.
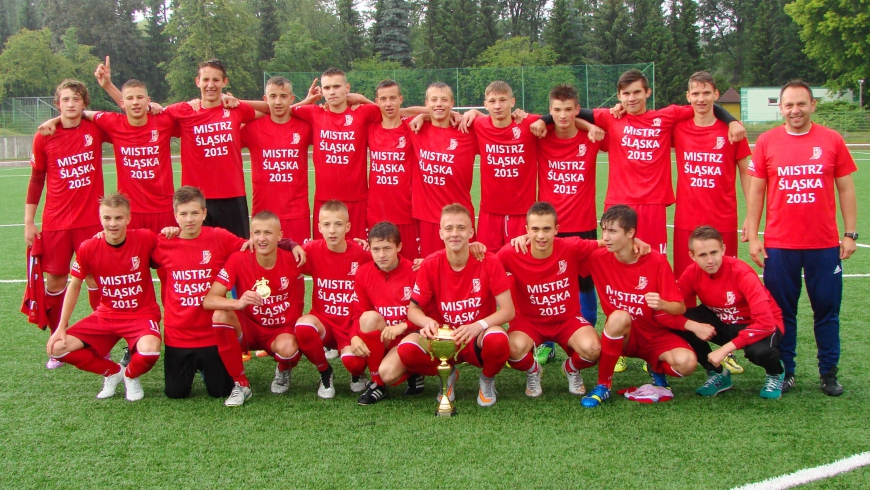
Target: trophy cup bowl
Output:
[(443, 348)]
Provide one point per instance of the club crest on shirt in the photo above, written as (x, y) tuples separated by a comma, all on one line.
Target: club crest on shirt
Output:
[(89, 140), (516, 132), (407, 295), (453, 144), (657, 122), (642, 283), (353, 267), (817, 153), (135, 262), (296, 139), (581, 150), (285, 283), (348, 119), (475, 285), (401, 143), (206, 257), (226, 113), (154, 135), (720, 143), (731, 298), (563, 266)]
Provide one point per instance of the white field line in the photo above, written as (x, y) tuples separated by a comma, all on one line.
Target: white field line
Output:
[(805, 476)]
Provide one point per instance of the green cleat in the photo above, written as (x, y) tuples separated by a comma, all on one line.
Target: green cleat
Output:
[(543, 353), (716, 383)]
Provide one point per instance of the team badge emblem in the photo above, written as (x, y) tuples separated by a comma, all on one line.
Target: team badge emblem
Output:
[(76, 267), (206, 257), (416, 288), (817, 153), (348, 119), (285, 283), (751, 166), (642, 283), (453, 144), (89, 140), (720, 143), (657, 122), (135, 262), (223, 275), (296, 139), (581, 150), (154, 135), (407, 295), (563, 266), (402, 143), (353, 267), (731, 298), (226, 113), (516, 132), (475, 285), (262, 288)]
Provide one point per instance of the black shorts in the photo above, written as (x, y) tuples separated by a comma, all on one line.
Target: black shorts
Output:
[(586, 284), (180, 366), (230, 214)]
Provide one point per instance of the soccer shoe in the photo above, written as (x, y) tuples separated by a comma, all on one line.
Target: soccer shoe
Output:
[(358, 384), (659, 379), (330, 353), (621, 365), (53, 363), (451, 384), (645, 367), (238, 396), (829, 383), (575, 381), (373, 394), (487, 396), (596, 397), (281, 383), (648, 394), (788, 382), (716, 383), (246, 356), (730, 363), (110, 384), (326, 388), (533, 382), (133, 387), (772, 386), (416, 384), (125, 359), (261, 353), (542, 353)]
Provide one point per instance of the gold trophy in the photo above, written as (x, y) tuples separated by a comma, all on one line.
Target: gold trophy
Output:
[(443, 347)]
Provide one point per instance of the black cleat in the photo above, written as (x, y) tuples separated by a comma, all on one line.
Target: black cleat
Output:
[(125, 360), (788, 382), (373, 394), (829, 383), (416, 384)]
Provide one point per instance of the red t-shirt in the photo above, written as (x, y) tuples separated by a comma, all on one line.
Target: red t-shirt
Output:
[(623, 286), (123, 275), (445, 170), (284, 282), (547, 290), (566, 179), (388, 293), (72, 160), (640, 154), (333, 273), (457, 298), (188, 268), (706, 175), (279, 166), (211, 148), (736, 295), (800, 172), (508, 163), (143, 159), (339, 150), (390, 176)]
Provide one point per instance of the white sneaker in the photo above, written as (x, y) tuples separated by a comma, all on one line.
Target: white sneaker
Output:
[(358, 384), (53, 363), (330, 353), (451, 383), (110, 384), (281, 383), (238, 396), (486, 397), (134, 388), (533, 382), (326, 391), (575, 382)]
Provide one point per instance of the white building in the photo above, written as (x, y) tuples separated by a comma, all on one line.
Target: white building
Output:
[(761, 104)]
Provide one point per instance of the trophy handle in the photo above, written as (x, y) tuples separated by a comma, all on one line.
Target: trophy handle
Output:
[(429, 349), (461, 347)]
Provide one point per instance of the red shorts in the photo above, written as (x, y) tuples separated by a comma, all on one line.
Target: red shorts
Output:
[(356, 210), (258, 337), (496, 230), (410, 242), (430, 239), (59, 246), (298, 229), (559, 333), (468, 354), (651, 225), (681, 248), (334, 337), (102, 334), (649, 345), (152, 221)]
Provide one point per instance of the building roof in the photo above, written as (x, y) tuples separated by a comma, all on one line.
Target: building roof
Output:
[(729, 97)]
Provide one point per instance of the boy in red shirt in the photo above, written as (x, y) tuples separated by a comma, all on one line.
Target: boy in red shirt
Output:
[(119, 262), (738, 307)]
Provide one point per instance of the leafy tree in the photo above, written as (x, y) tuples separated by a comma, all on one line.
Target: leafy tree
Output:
[(391, 32), (29, 16), (29, 68), (517, 51), (566, 31), (352, 31), (158, 50), (609, 42), (5, 22), (82, 62), (268, 13), (525, 17), (725, 31), (297, 51)]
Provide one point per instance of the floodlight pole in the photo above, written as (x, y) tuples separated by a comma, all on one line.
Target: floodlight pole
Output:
[(861, 93)]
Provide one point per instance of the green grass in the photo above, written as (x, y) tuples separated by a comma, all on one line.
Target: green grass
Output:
[(56, 434)]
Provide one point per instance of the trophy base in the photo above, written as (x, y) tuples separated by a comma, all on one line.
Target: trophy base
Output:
[(450, 413)]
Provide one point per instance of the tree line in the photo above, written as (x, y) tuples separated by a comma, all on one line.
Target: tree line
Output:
[(742, 42)]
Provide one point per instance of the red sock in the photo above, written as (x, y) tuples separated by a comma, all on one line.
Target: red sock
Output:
[(94, 297), (53, 307), (354, 364), (87, 360), (578, 363), (404, 377), (669, 370), (611, 349), (376, 353), (494, 353), (141, 363), (417, 360), (525, 363), (230, 352), (311, 345), (286, 363)]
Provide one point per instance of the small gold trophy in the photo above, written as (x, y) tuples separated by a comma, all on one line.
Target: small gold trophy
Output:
[(262, 288), (443, 347)]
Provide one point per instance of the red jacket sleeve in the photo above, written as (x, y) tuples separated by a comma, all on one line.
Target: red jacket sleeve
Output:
[(763, 323)]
